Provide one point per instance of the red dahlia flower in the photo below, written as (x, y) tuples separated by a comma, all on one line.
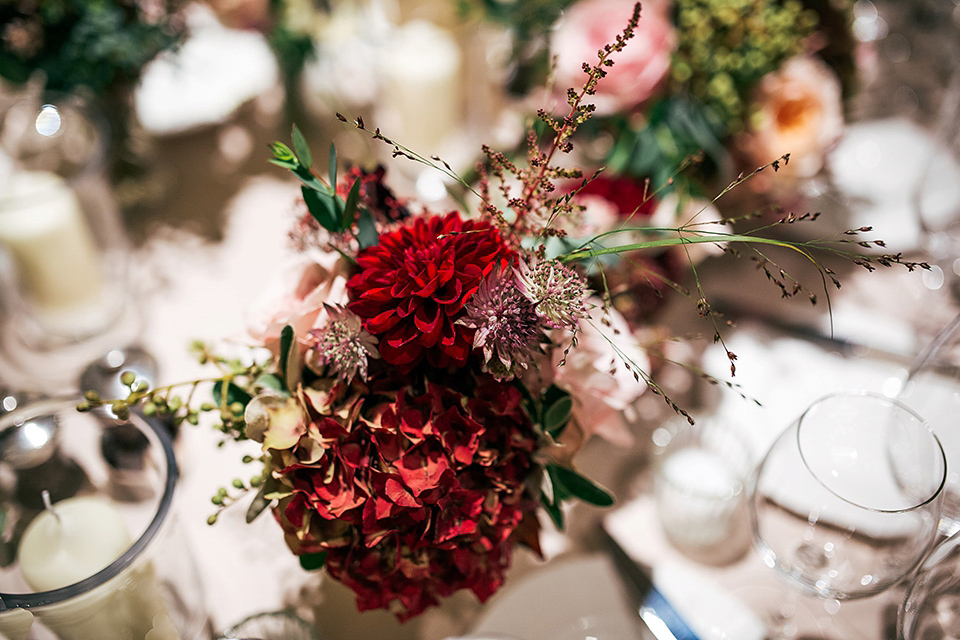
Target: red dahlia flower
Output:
[(418, 501), (411, 288)]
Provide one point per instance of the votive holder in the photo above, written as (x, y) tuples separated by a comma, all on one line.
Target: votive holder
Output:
[(273, 625), (64, 255), (84, 556), (699, 486)]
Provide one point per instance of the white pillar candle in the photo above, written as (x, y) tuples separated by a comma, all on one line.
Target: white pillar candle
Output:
[(422, 86), (83, 536), (72, 541), (42, 226)]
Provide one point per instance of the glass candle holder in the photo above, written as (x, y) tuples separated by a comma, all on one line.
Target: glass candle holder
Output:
[(700, 483), (94, 549), (63, 251), (274, 625)]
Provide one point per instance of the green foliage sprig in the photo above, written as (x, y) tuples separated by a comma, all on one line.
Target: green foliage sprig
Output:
[(82, 43)]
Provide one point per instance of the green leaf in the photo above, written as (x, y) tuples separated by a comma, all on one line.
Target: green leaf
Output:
[(556, 488), (581, 487), (321, 207), (301, 147), (313, 561), (557, 415), (283, 153), (258, 505), (271, 382), (350, 208), (332, 167), (311, 181), (553, 510), (234, 394), (286, 344), (366, 230), (286, 164)]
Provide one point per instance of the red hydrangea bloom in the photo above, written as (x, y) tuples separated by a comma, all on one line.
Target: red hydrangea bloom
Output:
[(417, 501), (411, 288)]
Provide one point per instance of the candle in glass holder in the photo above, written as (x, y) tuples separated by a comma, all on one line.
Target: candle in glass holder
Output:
[(699, 488), (51, 244), (75, 539)]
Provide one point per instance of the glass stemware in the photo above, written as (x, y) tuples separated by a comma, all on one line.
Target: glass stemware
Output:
[(932, 388), (931, 608), (846, 502)]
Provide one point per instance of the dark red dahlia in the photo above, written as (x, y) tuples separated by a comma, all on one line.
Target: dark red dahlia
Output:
[(419, 500), (411, 288)]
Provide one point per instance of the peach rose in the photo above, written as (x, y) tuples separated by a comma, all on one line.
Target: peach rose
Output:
[(637, 71), (797, 110), (595, 374)]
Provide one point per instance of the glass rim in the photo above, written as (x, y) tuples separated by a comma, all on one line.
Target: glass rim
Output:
[(55, 596), (936, 492)]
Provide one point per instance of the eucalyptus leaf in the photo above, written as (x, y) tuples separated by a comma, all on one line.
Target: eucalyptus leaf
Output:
[(234, 394), (258, 505), (553, 510), (286, 164), (367, 235), (560, 492), (321, 208), (581, 487), (350, 208), (313, 561), (283, 152), (286, 344), (332, 167), (301, 147), (310, 181), (271, 382), (557, 415)]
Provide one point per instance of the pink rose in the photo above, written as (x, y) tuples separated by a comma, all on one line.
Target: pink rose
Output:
[(296, 297), (589, 25), (595, 374), (243, 14), (797, 110)]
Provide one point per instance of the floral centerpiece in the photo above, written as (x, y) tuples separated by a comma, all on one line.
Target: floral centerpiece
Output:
[(419, 406)]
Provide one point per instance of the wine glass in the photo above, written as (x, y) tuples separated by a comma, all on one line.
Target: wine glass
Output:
[(846, 502), (932, 389), (931, 608)]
